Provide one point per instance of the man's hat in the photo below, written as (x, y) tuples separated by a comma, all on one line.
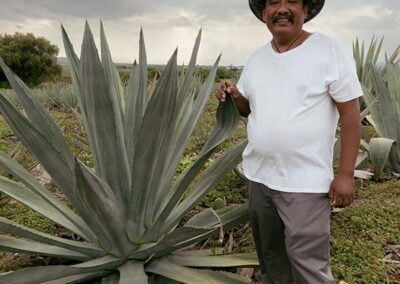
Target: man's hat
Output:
[(314, 7)]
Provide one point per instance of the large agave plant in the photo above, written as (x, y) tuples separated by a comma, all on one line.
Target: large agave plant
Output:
[(128, 209), (381, 87)]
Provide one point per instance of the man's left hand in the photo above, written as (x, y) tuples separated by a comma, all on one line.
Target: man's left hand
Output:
[(342, 190)]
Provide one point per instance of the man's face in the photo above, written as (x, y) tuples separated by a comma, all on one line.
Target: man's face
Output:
[(284, 18)]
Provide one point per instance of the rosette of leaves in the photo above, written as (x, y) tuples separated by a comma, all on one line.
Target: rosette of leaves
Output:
[(128, 209), (381, 88), (384, 104)]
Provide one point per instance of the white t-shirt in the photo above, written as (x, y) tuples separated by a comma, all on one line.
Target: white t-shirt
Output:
[(293, 119)]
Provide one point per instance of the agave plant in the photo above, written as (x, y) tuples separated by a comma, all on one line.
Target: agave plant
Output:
[(128, 209), (381, 87), (384, 106), (365, 58)]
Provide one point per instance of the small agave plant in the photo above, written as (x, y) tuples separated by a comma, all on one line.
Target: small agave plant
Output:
[(128, 209)]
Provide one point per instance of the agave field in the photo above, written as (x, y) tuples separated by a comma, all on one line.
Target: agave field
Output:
[(138, 180)]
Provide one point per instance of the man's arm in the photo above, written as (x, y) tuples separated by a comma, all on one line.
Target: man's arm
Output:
[(227, 87), (342, 189)]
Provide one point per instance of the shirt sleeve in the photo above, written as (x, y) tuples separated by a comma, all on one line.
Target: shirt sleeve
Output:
[(345, 86)]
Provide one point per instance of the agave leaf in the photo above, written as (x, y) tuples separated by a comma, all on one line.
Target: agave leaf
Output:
[(36, 248), (385, 105), (362, 159), (232, 260), (111, 74), (99, 207), (380, 149), (393, 81), (39, 116), (91, 269), (227, 119), (79, 278), (136, 101), (362, 53), (394, 55), (364, 144), (57, 274), (50, 157), (184, 126), (75, 67), (158, 279), (175, 237), (105, 262), (105, 119), (234, 216), (183, 274), (111, 279), (207, 218), (175, 196), (79, 88), (185, 85), (363, 174), (18, 230), (212, 176), (371, 51), (38, 144), (377, 52), (152, 86), (229, 218), (356, 56), (33, 201), (132, 272), (75, 223), (151, 149), (337, 148), (185, 119), (37, 275)]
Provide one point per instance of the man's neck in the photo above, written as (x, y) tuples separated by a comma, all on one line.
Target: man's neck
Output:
[(285, 43)]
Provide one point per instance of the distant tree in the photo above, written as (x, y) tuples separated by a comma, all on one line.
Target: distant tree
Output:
[(33, 59)]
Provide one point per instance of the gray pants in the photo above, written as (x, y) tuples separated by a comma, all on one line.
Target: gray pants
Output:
[(291, 233)]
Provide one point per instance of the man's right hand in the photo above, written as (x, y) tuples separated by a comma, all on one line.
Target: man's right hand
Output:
[(228, 88), (225, 88)]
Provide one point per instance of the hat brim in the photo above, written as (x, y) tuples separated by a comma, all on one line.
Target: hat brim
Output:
[(314, 7)]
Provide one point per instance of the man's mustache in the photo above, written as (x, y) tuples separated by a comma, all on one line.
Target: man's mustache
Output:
[(280, 17)]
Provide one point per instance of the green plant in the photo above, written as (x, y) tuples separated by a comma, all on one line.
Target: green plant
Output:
[(58, 95), (52, 95), (385, 117), (366, 58), (129, 206), (33, 59), (381, 87), (219, 203)]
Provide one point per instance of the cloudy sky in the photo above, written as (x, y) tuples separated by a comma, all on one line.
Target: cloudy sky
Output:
[(228, 25)]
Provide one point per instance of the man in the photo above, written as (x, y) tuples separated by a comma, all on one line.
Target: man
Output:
[(293, 91)]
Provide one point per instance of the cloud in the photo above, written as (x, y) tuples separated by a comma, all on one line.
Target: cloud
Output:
[(370, 23), (105, 9), (228, 25)]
